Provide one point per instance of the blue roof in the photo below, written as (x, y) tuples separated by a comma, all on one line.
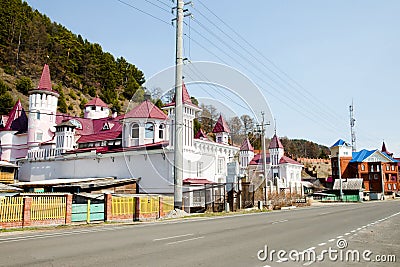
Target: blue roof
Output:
[(340, 142), (361, 155)]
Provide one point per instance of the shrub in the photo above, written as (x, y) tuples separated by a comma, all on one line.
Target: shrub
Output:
[(23, 85)]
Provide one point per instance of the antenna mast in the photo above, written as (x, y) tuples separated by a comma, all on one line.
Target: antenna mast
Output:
[(352, 126)]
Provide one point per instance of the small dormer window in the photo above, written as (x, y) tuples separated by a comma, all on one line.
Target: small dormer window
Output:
[(106, 126), (93, 108)]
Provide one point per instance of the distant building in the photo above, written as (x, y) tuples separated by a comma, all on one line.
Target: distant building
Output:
[(282, 171), (378, 169)]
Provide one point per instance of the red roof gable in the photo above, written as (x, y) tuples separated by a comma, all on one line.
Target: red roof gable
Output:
[(275, 142), (146, 110), (221, 126), (257, 160), (96, 102), (285, 159), (45, 81), (200, 134), (246, 146), (17, 119)]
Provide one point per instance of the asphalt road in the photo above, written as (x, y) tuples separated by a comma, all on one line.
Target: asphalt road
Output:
[(219, 241)]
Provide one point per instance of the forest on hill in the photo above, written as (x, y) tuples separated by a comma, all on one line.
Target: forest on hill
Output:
[(80, 69)]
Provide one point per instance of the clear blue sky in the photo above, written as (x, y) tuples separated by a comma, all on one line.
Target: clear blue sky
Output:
[(330, 52)]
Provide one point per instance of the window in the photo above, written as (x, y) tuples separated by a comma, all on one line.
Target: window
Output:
[(39, 136), (394, 187), (199, 169), (387, 167), (389, 187), (392, 167), (376, 176), (221, 162), (362, 167), (105, 127), (372, 168), (149, 130), (161, 131), (135, 131), (38, 115), (377, 168), (93, 108)]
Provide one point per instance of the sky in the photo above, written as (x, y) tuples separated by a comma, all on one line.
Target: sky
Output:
[(310, 59)]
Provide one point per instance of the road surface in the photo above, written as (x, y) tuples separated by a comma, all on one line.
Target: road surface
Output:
[(239, 240)]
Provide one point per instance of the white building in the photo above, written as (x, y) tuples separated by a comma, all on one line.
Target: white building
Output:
[(138, 144), (282, 171)]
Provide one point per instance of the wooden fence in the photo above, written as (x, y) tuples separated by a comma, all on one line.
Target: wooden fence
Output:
[(11, 209)]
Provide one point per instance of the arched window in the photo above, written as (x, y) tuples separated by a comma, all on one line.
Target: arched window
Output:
[(149, 130), (135, 130), (161, 131)]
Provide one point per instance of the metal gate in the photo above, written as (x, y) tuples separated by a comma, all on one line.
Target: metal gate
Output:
[(87, 212)]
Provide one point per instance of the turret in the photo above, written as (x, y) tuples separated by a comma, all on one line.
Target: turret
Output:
[(276, 152), (246, 154), (42, 111), (65, 136), (222, 131), (96, 109)]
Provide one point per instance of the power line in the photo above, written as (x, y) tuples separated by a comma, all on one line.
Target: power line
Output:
[(144, 12), (162, 8)]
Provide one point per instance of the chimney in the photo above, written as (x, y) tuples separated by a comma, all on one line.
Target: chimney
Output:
[(114, 113)]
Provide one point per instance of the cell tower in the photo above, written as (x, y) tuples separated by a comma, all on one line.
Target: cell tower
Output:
[(352, 126)]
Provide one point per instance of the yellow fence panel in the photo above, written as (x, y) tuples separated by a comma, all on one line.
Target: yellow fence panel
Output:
[(149, 204), (123, 205), (168, 204), (11, 209), (48, 208)]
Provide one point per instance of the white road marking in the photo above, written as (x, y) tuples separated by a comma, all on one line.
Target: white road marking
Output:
[(346, 233), (321, 244), (185, 240), (281, 221), (339, 236), (331, 240), (171, 237)]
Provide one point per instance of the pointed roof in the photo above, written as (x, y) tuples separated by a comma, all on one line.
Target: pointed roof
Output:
[(200, 134), (221, 126), (185, 98), (17, 119), (340, 142), (288, 160), (96, 102), (384, 149), (275, 143), (45, 81), (363, 155), (146, 110), (246, 145)]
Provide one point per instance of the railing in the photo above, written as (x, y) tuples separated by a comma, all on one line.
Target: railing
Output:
[(45, 153), (48, 208), (11, 209)]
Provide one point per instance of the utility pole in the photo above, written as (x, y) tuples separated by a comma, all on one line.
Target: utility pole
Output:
[(263, 152), (178, 144), (352, 125)]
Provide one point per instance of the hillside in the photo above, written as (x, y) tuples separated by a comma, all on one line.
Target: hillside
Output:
[(79, 69)]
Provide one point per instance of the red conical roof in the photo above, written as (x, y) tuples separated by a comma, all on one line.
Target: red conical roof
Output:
[(246, 145), (17, 119), (221, 126), (96, 102), (200, 134), (275, 143), (45, 81), (384, 149)]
